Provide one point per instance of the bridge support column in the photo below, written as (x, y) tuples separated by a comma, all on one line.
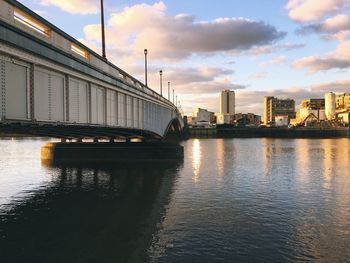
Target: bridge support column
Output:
[(110, 152)]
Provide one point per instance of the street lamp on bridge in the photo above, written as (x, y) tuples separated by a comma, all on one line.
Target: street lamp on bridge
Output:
[(103, 31), (173, 96), (161, 82), (168, 90), (146, 52)]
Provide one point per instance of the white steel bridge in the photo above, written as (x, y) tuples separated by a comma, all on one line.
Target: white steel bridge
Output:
[(52, 85)]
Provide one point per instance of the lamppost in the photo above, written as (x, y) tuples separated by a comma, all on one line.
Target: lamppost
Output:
[(103, 31), (161, 82), (146, 52), (173, 96), (176, 101), (168, 90)]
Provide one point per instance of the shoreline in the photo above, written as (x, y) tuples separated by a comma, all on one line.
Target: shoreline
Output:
[(257, 132)]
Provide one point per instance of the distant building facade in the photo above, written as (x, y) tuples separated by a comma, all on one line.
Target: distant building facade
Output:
[(312, 106), (330, 105), (244, 119), (227, 102), (277, 107), (227, 107), (203, 116), (225, 119), (344, 118), (342, 102), (281, 120)]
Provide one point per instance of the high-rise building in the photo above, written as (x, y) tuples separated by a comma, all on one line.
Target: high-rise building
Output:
[(227, 102), (342, 102), (330, 105), (277, 107)]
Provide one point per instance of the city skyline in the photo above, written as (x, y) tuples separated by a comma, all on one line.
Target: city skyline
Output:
[(295, 49)]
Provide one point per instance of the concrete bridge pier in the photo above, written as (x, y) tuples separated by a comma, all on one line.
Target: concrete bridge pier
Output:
[(106, 152)]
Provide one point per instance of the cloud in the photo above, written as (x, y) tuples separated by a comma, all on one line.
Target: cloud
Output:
[(331, 25), (258, 75), (336, 86), (339, 59), (274, 61), (190, 81), (82, 7), (184, 76), (268, 49), (211, 87), (337, 27), (315, 64), (312, 10), (180, 36)]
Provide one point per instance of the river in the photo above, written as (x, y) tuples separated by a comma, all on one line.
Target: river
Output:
[(229, 200)]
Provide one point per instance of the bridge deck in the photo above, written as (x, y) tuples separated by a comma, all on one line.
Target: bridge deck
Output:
[(46, 76)]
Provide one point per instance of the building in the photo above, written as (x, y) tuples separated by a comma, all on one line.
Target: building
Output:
[(227, 102), (342, 102), (225, 119), (227, 107), (203, 115), (244, 119), (190, 120), (344, 118), (330, 105), (277, 107), (314, 107), (281, 120)]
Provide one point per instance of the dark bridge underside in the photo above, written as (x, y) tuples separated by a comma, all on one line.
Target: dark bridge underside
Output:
[(75, 131)]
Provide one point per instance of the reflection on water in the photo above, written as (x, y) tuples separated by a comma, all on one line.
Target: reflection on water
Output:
[(86, 214), (257, 200), (196, 153)]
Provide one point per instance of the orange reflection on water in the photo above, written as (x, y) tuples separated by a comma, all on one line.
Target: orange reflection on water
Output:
[(328, 162), (220, 157), (196, 159)]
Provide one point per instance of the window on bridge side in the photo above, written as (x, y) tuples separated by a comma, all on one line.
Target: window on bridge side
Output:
[(79, 51), (31, 23)]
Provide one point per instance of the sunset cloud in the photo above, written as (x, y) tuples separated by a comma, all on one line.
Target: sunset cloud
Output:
[(180, 36), (332, 25), (274, 61), (268, 49), (339, 59), (82, 7), (258, 75), (313, 10)]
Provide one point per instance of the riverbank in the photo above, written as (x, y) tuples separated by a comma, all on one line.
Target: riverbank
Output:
[(257, 132)]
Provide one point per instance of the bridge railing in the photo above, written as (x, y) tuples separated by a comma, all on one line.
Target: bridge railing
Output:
[(18, 15)]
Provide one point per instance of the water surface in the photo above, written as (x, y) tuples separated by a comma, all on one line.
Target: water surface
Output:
[(252, 200)]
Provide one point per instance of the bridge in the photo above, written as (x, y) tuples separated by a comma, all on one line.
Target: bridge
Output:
[(52, 85)]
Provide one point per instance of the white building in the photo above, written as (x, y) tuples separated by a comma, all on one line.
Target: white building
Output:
[(203, 115), (344, 117), (330, 105), (227, 102), (224, 119), (281, 120)]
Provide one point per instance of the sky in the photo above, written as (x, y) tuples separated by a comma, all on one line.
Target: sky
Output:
[(285, 48)]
